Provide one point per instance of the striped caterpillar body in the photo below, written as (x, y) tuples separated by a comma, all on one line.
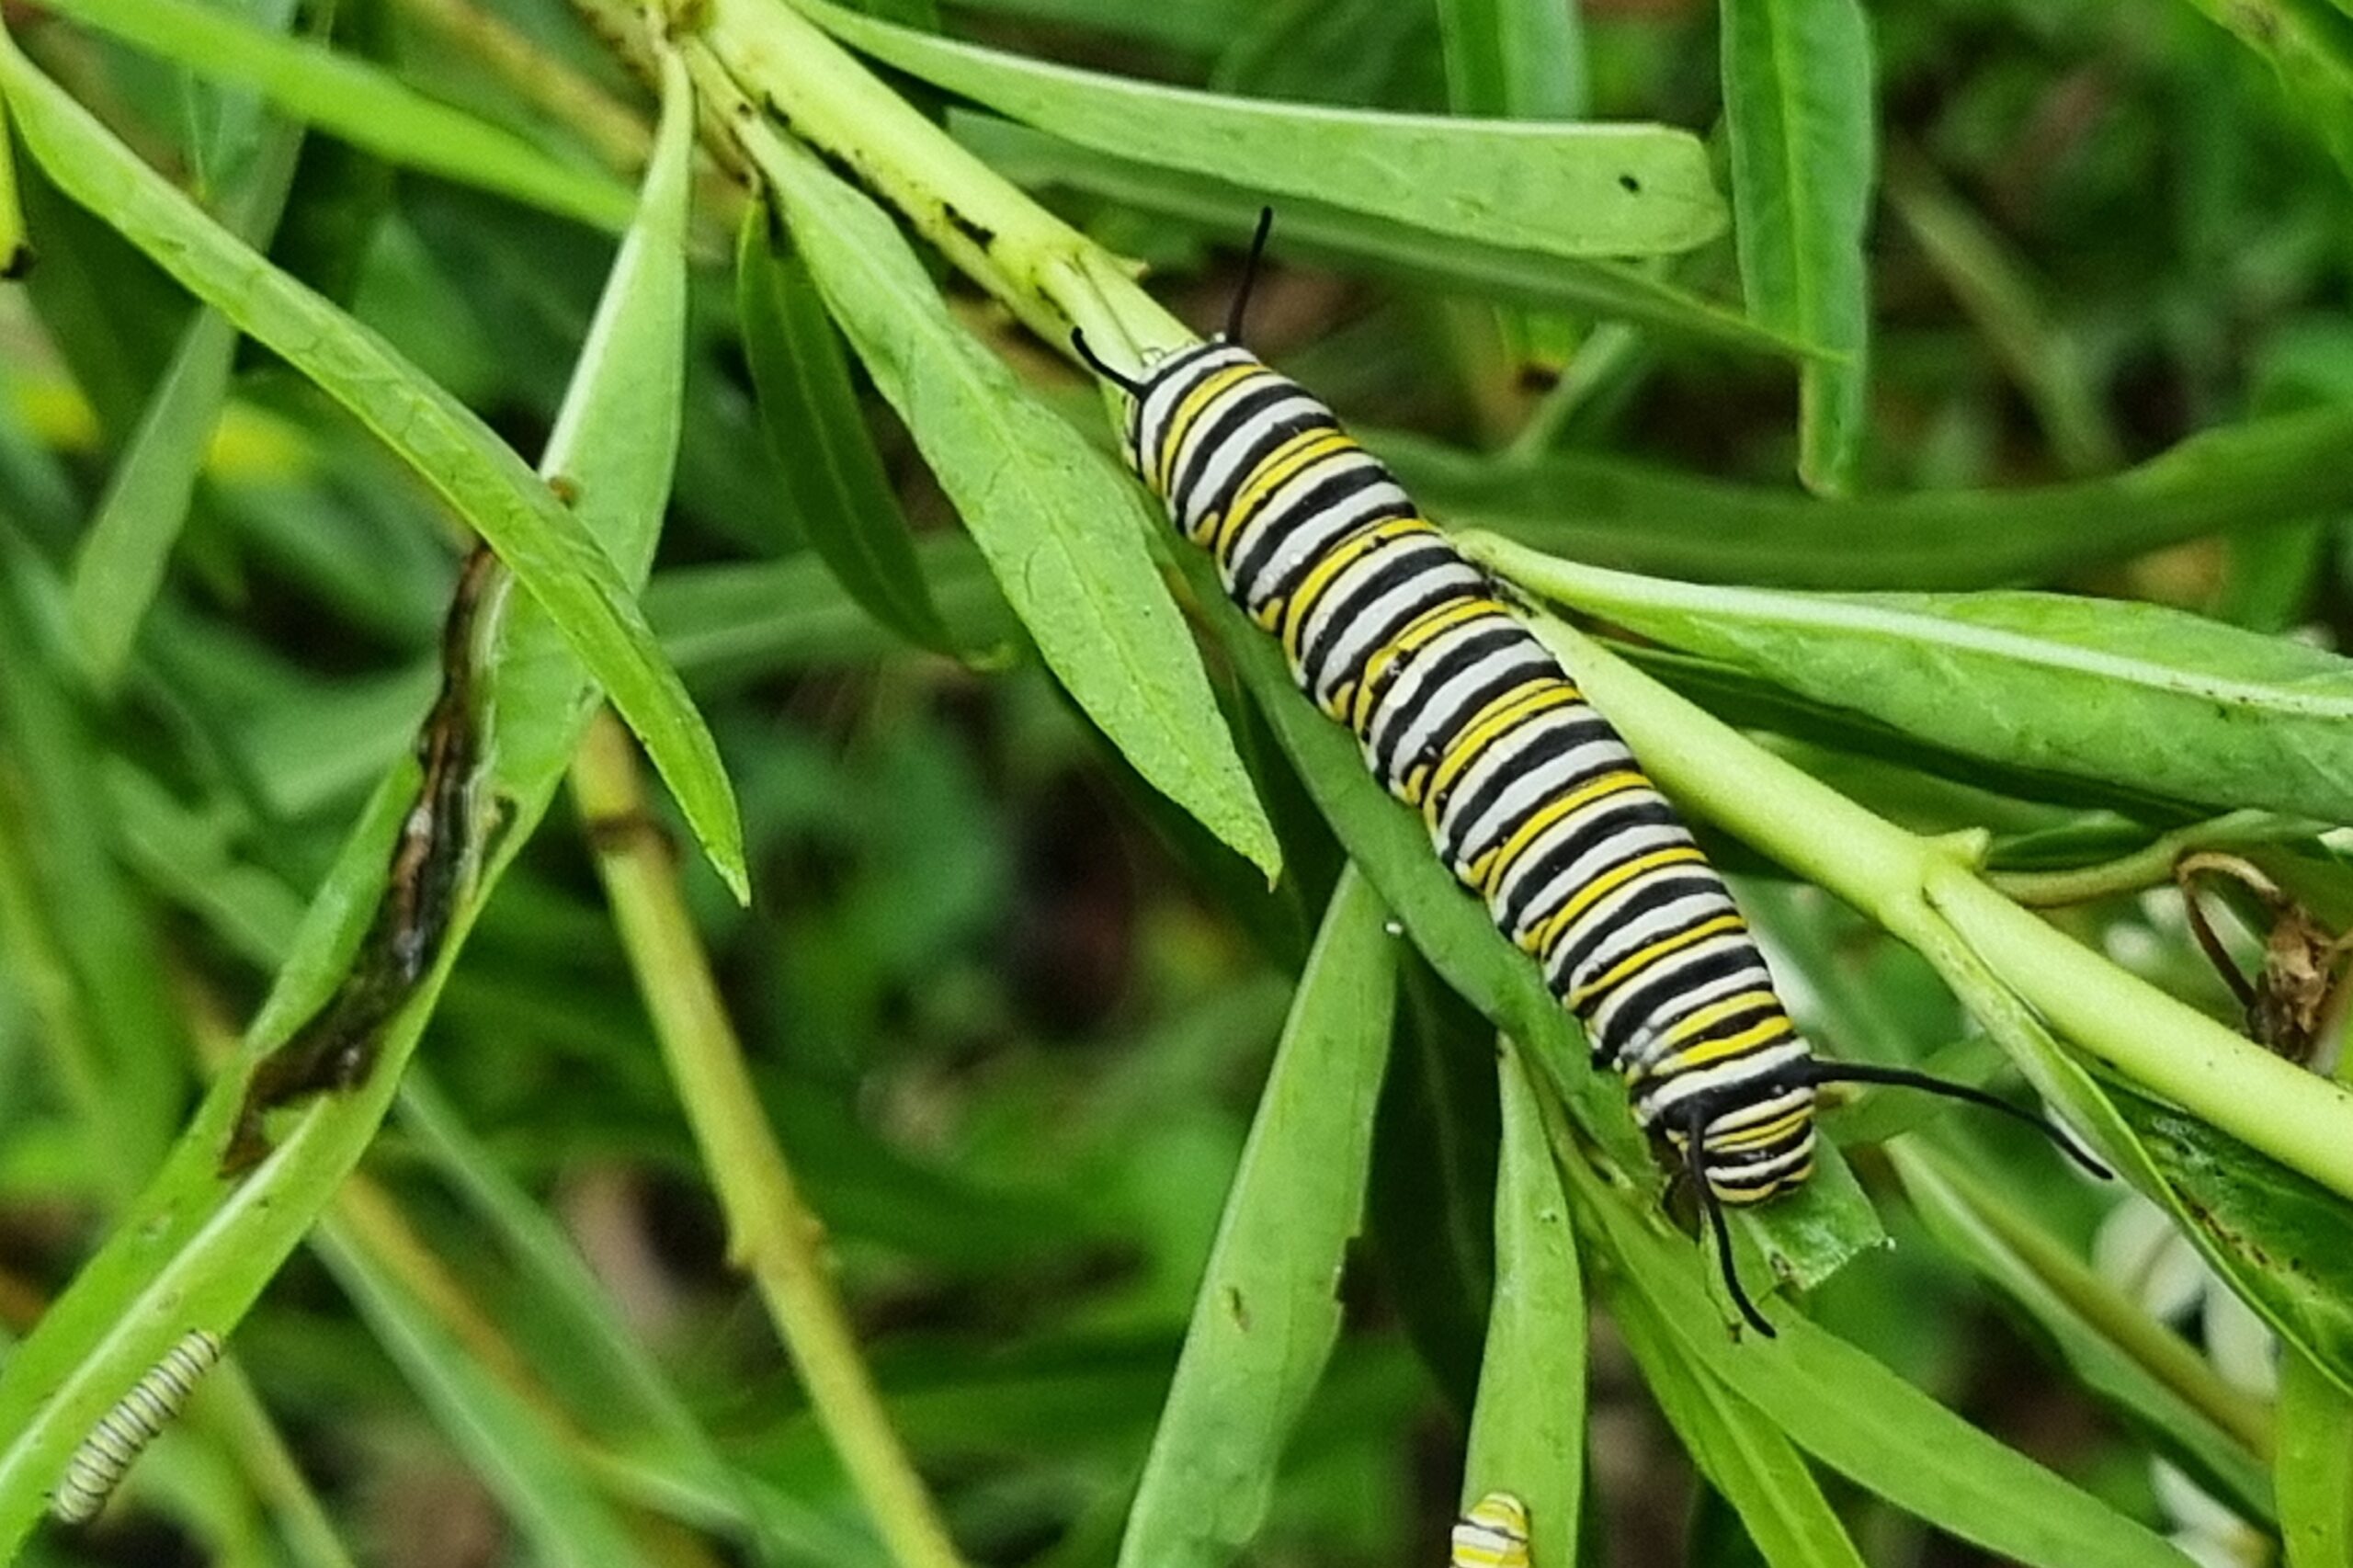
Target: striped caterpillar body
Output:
[(1528, 795), (1493, 1534), (123, 1433)]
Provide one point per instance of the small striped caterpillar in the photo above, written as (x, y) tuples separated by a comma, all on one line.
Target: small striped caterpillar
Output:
[(1493, 1534), (123, 1433)]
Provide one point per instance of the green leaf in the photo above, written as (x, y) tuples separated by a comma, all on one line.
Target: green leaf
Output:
[(633, 1396), (1450, 260), (1064, 533), (558, 561), (1517, 59), (2277, 1237), (359, 103), (1514, 59), (120, 563), (1612, 512), (2133, 696), (1799, 105), (2312, 52), (1436, 1140), (2137, 1365), (838, 491), (79, 938), (121, 560), (1862, 1420), (1201, 26), (1737, 1446), (195, 1250), (723, 624), (1564, 190), (506, 1439), (1527, 1430), (2314, 1475), (1267, 1316), (1993, 286)]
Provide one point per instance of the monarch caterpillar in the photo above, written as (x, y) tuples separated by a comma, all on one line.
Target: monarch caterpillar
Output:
[(1528, 795), (115, 1444), (1493, 1534)]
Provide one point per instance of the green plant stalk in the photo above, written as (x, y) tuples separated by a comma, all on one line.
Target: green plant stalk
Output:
[(1044, 271), (773, 1234), (620, 140), (239, 1415), (46, 979), (2314, 1477), (1928, 892), (2151, 865)]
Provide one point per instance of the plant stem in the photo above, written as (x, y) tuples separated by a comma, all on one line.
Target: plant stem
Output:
[(1040, 268), (1922, 891), (619, 138), (2151, 866), (238, 1414), (773, 1235)]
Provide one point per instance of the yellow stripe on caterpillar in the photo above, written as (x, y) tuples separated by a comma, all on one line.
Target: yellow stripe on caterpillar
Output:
[(1491, 1534)]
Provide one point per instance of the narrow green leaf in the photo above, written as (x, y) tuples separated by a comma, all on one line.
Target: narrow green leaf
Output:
[(1736, 1445), (121, 560), (2276, 1236), (2137, 1365), (2133, 696), (832, 472), (635, 1396), (1798, 101), (721, 624), (1517, 59), (1994, 287), (2313, 1476), (349, 98), (1528, 1431), (194, 1250), (112, 1032), (1565, 190), (1202, 27), (2312, 52), (1267, 1317), (1436, 1139), (558, 561), (2254, 1220), (1450, 260), (1616, 512), (1862, 1420), (514, 1447), (1514, 59), (1064, 532), (341, 194)]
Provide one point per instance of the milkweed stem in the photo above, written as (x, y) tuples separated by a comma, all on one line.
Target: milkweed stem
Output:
[(773, 1236)]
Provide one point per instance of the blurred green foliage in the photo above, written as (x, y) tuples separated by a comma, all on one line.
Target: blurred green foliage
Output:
[(2047, 295)]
